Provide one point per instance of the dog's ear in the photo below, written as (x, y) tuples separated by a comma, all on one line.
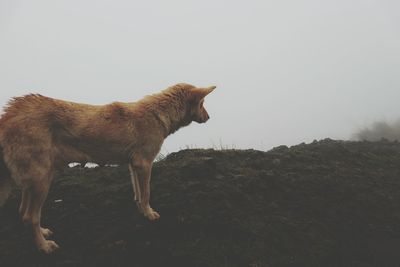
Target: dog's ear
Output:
[(200, 93)]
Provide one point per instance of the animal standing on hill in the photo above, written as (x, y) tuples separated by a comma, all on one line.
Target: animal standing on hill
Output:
[(39, 134)]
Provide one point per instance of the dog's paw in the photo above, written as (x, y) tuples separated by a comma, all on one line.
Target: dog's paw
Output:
[(152, 215), (46, 232), (48, 246), (140, 209)]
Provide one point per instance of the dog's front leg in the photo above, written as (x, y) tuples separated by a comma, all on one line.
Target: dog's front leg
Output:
[(142, 173), (136, 187)]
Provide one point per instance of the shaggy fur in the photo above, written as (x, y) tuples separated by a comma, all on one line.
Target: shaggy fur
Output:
[(39, 134)]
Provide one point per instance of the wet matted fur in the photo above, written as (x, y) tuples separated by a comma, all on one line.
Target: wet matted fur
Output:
[(39, 134)]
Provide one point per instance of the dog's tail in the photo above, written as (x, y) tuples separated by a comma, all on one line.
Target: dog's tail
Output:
[(5, 180)]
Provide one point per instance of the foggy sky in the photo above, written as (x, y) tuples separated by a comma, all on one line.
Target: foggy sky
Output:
[(286, 71)]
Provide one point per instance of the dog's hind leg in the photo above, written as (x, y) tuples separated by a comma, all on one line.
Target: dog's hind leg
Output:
[(5, 180), (24, 210), (38, 193), (35, 192)]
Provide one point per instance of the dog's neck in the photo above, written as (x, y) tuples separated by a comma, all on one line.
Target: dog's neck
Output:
[(169, 111)]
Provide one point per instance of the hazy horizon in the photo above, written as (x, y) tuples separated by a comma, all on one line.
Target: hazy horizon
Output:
[(286, 71)]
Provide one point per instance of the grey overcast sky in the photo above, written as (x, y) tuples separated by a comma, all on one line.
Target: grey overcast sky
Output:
[(287, 71)]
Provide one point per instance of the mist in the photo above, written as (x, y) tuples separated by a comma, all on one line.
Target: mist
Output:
[(379, 130), (286, 71)]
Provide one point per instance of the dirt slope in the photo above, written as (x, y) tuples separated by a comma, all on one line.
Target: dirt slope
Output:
[(329, 203)]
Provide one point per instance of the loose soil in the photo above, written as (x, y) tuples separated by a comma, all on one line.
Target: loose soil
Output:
[(328, 203)]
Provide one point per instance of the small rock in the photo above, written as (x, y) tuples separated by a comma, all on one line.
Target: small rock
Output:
[(276, 161)]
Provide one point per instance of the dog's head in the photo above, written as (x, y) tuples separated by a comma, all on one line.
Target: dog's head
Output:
[(197, 111)]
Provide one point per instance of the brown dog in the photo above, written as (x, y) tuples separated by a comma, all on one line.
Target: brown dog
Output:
[(40, 134)]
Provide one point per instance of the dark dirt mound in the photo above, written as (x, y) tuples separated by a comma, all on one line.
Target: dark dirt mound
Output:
[(329, 203)]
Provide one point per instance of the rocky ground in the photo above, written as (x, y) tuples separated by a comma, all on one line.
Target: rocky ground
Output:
[(328, 203)]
